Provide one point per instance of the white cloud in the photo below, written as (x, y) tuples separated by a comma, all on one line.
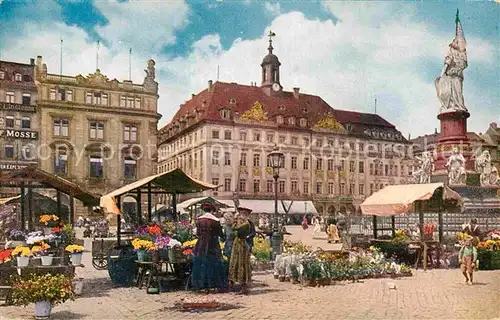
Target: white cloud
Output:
[(273, 8)]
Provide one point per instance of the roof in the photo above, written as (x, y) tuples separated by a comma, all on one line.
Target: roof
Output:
[(237, 98), (429, 140), (34, 174)]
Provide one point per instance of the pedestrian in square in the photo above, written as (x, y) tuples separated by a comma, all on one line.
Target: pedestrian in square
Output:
[(468, 257), (240, 268)]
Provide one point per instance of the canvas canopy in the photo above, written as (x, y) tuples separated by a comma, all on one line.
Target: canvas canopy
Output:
[(399, 199), (267, 206)]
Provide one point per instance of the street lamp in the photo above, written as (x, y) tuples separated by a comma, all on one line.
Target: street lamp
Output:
[(277, 160)]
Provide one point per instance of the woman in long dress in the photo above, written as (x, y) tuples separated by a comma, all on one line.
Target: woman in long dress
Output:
[(333, 233), (240, 269), (208, 269)]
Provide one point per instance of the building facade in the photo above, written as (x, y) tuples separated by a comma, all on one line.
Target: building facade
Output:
[(336, 158), (19, 116), (97, 132)]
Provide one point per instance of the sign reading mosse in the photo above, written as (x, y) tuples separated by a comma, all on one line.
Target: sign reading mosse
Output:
[(18, 134), (11, 166), (17, 107)]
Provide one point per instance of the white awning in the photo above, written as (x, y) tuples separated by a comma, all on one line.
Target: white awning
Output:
[(267, 206)]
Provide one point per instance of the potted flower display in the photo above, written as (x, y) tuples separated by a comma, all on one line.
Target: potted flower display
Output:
[(22, 255), (161, 244), (17, 238), (41, 250), (76, 253), (45, 291), (144, 248), (49, 221)]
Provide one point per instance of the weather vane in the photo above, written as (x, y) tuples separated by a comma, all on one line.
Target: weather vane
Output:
[(271, 35)]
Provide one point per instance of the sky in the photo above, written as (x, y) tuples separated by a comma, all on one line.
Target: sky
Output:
[(349, 53)]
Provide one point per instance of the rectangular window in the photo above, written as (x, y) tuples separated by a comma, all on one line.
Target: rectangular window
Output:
[(215, 181), (227, 135), (372, 190), (342, 165), (256, 160), (227, 159), (294, 186), (130, 102), (96, 130), (227, 184), (61, 94), (269, 163), (215, 134), (69, 95), (26, 99), (88, 98), (361, 167), (130, 169), (319, 187), (242, 185), (342, 189), (351, 188), (2, 75), (215, 158), (137, 102), (269, 186), (306, 142), (305, 187), (25, 123), (319, 142), (96, 167), (53, 94), (61, 161), (352, 166), (331, 188), (330, 164), (306, 163), (395, 170), (361, 188), (123, 101), (270, 137), (282, 139), (97, 98), (129, 133), (9, 122), (60, 127), (319, 164), (104, 99), (243, 136), (281, 186), (371, 169), (256, 186), (9, 97), (9, 151), (256, 136), (361, 146), (294, 162), (295, 141), (243, 159), (386, 171)]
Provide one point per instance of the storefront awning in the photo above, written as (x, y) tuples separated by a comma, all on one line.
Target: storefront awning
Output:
[(399, 199), (267, 206)]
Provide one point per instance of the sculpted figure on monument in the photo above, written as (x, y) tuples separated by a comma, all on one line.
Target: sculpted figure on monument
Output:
[(456, 168), (150, 71), (488, 174), (425, 168), (449, 85)]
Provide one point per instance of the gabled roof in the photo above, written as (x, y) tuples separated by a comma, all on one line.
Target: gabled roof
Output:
[(237, 98)]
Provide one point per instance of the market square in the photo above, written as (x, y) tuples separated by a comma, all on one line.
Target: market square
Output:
[(358, 179)]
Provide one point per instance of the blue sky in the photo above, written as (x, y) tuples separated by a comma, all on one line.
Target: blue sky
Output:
[(346, 52)]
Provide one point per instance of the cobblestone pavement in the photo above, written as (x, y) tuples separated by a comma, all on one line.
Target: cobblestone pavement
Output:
[(435, 294)]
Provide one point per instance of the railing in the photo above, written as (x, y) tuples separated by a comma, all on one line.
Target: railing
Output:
[(54, 77)]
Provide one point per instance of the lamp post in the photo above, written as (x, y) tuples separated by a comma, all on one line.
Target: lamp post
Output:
[(277, 161)]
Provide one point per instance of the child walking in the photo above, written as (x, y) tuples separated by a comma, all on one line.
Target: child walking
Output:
[(467, 257)]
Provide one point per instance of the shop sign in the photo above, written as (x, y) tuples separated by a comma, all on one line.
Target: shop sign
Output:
[(11, 166), (8, 106), (18, 134)]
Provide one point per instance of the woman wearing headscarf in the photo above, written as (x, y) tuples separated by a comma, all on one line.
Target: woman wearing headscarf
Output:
[(208, 270), (240, 269)]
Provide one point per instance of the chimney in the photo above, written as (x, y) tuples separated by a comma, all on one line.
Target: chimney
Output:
[(210, 86), (32, 61), (493, 125), (296, 92), (192, 95), (435, 130), (39, 61), (409, 136)]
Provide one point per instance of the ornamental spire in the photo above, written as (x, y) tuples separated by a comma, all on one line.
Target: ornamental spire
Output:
[(271, 35)]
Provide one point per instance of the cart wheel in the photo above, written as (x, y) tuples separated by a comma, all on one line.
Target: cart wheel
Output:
[(100, 261)]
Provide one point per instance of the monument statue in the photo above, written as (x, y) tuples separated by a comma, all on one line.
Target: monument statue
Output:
[(449, 85), (488, 174), (150, 71), (426, 167), (456, 168)]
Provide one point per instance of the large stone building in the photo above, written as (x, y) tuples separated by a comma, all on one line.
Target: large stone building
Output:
[(19, 117), (334, 157), (97, 132)]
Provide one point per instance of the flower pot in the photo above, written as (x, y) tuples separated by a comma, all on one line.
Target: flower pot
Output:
[(23, 261), (47, 231), (163, 254), (76, 258), (143, 255), (42, 309), (78, 286), (47, 260)]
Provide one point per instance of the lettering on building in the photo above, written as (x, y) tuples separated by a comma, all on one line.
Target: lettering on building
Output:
[(18, 134), (17, 107), (11, 166)]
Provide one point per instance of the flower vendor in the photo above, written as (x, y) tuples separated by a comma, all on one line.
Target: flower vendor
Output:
[(468, 257), (208, 271), (472, 229), (239, 264)]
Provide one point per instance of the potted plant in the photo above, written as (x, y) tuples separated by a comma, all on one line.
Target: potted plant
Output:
[(17, 238), (49, 221), (45, 291), (22, 255), (76, 253), (41, 250), (161, 243), (144, 248)]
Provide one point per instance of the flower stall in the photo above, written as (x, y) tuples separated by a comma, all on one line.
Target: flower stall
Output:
[(488, 251)]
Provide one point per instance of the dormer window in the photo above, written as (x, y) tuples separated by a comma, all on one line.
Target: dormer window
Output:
[(232, 101), (281, 108), (279, 119), (303, 122), (305, 110), (2, 75), (18, 77), (348, 126), (291, 121), (225, 114)]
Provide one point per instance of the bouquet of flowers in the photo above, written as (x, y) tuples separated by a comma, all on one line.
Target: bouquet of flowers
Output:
[(181, 231), (146, 245), (295, 247), (162, 242), (494, 235), (261, 249), (49, 220), (401, 236), (17, 235), (53, 288), (190, 243), (429, 230), (37, 237), (21, 251), (40, 249), (74, 248)]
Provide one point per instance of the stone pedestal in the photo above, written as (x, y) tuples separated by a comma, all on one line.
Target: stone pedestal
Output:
[(453, 134)]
